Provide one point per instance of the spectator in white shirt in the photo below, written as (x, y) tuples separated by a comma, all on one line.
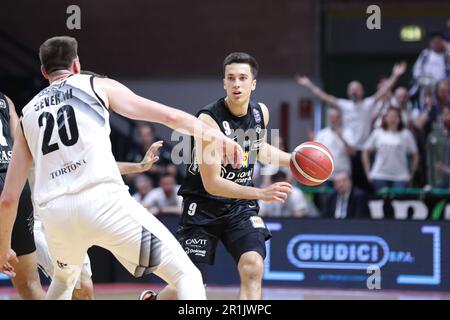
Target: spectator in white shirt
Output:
[(335, 139), (392, 145), (432, 64), (295, 205), (143, 186), (164, 200)]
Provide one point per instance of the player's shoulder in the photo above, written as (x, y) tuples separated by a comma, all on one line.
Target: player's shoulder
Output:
[(212, 111), (264, 110)]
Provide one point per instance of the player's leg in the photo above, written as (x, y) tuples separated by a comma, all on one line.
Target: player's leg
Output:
[(26, 281), (245, 240), (67, 263), (199, 242), (67, 243), (251, 268), (170, 292), (144, 245), (84, 289)]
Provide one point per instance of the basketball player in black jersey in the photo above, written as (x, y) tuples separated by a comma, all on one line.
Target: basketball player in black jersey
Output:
[(219, 201), (26, 278)]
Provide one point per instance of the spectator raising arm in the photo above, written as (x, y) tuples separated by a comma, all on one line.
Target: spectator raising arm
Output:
[(319, 93), (397, 71)]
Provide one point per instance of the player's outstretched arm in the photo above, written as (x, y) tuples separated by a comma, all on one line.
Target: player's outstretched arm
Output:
[(319, 93), (147, 162), (269, 154), (210, 167), (16, 178), (123, 101)]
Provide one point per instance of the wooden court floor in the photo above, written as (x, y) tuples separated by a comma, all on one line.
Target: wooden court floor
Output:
[(132, 291)]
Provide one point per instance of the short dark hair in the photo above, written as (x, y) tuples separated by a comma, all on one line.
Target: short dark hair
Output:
[(57, 53), (242, 57)]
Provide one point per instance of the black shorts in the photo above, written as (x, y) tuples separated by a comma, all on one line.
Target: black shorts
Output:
[(22, 241), (238, 226)]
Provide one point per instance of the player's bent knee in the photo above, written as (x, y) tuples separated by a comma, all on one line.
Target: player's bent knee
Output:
[(251, 267)]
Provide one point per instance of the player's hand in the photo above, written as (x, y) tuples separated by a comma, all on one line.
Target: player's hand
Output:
[(5, 263), (303, 80), (399, 68), (232, 153), (150, 156), (277, 192)]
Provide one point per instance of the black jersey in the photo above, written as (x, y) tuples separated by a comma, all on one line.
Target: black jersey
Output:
[(248, 131), (5, 134)]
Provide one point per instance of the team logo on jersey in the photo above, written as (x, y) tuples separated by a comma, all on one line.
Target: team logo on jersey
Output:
[(194, 168), (258, 129), (2, 104), (257, 222), (256, 145), (257, 115), (246, 159)]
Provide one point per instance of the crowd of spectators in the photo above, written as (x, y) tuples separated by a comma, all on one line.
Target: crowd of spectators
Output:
[(397, 138)]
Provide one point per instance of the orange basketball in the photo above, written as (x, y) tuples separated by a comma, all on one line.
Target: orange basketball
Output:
[(311, 163)]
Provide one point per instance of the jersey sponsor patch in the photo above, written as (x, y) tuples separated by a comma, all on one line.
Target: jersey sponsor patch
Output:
[(2, 104), (257, 115), (257, 222), (246, 159)]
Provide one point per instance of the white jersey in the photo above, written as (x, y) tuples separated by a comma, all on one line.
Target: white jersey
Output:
[(67, 129)]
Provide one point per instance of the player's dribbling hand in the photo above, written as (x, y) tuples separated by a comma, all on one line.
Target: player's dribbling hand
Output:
[(233, 154), (5, 263), (277, 192), (150, 156)]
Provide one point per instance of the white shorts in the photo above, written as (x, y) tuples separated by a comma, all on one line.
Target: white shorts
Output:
[(107, 216), (43, 256)]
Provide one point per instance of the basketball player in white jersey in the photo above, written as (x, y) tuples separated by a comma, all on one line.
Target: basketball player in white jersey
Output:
[(78, 191), (84, 288)]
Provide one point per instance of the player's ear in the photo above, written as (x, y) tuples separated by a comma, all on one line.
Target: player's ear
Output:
[(76, 66), (253, 84), (224, 84), (44, 73)]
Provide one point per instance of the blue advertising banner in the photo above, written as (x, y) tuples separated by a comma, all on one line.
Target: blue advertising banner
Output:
[(404, 255)]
